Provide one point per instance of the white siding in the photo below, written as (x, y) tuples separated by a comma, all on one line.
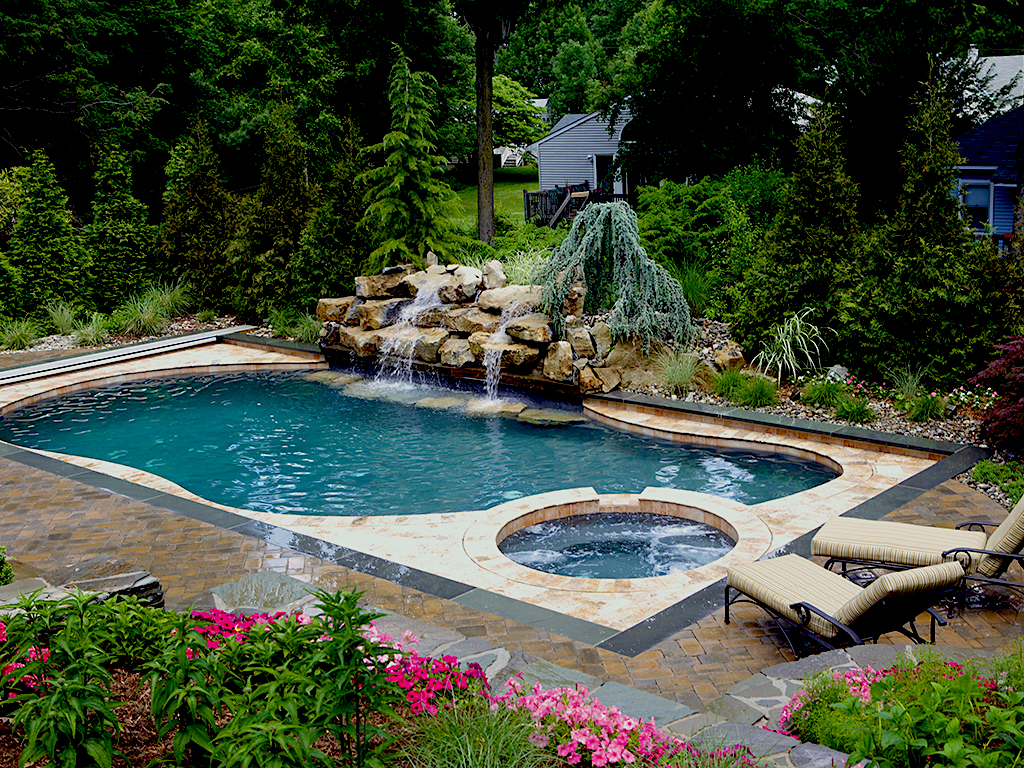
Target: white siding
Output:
[(569, 156)]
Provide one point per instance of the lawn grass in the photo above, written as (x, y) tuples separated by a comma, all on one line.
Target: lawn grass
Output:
[(509, 184)]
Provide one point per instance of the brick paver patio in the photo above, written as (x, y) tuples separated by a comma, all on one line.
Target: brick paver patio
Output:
[(47, 521)]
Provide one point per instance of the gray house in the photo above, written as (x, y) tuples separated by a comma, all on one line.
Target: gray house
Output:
[(579, 148), (988, 177)]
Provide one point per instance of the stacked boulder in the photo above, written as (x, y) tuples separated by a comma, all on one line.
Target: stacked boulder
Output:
[(475, 313)]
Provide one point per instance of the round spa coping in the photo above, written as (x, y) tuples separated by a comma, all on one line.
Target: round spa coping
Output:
[(752, 536)]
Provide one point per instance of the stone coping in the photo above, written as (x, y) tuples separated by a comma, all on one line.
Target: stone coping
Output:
[(753, 538)]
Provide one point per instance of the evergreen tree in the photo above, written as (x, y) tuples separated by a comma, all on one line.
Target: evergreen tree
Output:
[(810, 256), (44, 247), (334, 244), (199, 219), (408, 205), (271, 221), (118, 240), (10, 288), (929, 284)]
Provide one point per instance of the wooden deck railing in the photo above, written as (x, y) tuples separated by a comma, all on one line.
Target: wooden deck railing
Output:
[(549, 206)]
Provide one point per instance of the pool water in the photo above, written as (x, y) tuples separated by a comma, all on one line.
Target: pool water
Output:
[(616, 545), (279, 443)]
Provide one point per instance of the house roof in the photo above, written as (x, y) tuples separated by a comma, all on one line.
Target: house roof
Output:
[(994, 144), (568, 122)]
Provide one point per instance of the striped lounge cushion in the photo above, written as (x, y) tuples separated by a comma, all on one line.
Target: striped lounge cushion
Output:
[(782, 581), (1008, 537), (878, 541), (927, 579)]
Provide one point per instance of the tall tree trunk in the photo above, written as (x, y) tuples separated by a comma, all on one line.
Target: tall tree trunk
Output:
[(485, 135)]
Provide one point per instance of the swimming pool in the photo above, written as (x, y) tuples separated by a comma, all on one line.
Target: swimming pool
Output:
[(280, 443)]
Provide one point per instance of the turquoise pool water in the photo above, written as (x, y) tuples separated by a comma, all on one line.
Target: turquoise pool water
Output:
[(279, 443)]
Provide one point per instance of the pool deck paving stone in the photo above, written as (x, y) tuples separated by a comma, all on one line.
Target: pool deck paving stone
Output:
[(705, 674)]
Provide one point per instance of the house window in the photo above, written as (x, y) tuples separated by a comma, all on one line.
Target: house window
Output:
[(977, 200)]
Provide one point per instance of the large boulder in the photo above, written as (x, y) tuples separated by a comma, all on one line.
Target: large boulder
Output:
[(513, 354), (573, 304), (637, 370), (334, 310), (379, 313), (582, 344), (589, 382), (463, 285), (455, 353), (494, 275), (381, 286), (363, 343), (602, 336), (433, 278), (610, 378), (525, 298), (558, 362), (428, 344), (471, 320), (534, 328)]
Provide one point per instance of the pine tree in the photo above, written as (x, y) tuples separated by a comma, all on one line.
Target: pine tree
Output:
[(118, 240), (199, 219), (930, 295), (271, 221), (408, 205), (44, 247)]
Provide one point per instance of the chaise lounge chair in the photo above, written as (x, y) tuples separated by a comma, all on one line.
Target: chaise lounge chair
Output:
[(809, 602), (848, 541)]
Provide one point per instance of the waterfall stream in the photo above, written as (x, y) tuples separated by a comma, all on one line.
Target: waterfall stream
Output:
[(492, 356), (399, 349)]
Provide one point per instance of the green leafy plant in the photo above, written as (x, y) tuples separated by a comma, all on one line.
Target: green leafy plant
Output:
[(306, 329), (728, 383), (603, 252), (757, 392), (925, 407), (94, 332), (206, 315), (680, 369), (907, 382), (824, 391), (62, 316), (174, 299), (18, 334), (856, 410), (470, 734), (793, 346), (699, 284)]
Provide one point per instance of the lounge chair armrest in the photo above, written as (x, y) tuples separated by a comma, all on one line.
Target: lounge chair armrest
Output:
[(971, 550), (969, 523), (804, 611)]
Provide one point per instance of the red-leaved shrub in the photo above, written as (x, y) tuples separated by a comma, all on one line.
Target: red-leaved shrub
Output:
[(1003, 426)]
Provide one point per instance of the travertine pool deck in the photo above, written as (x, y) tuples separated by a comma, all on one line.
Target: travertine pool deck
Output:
[(462, 547)]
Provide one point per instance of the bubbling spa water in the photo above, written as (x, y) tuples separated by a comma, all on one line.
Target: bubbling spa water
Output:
[(279, 443), (616, 545)]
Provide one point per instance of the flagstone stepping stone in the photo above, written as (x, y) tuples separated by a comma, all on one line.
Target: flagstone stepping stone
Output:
[(263, 592), (543, 417), (109, 577)]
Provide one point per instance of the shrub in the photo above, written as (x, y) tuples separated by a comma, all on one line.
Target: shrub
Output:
[(856, 410), (6, 571), (306, 329), (698, 283), (1003, 425), (824, 391), (680, 369), (62, 316), (926, 407), (1008, 476), (206, 315), (792, 346), (728, 383), (174, 299), (603, 251), (19, 334), (94, 332), (906, 382), (757, 392)]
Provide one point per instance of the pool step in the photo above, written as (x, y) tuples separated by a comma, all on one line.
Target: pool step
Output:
[(116, 355)]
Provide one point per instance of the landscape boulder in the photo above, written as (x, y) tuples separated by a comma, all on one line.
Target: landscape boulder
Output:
[(525, 298), (384, 285), (513, 354), (494, 275), (534, 328), (455, 353), (558, 362), (377, 314), (334, 310)]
